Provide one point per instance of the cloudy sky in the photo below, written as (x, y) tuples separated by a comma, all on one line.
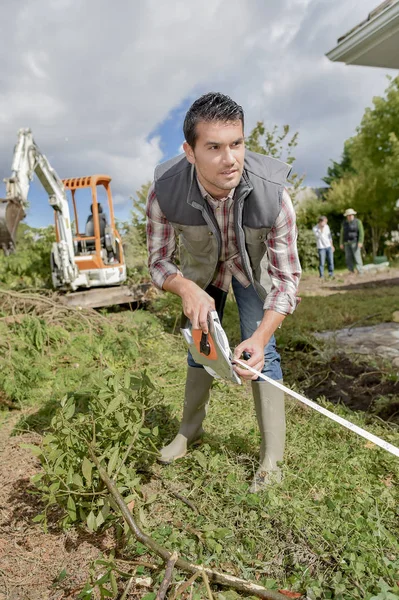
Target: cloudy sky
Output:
[(104, 85)]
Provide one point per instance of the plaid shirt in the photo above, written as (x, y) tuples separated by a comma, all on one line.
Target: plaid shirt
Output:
[(283, 262)]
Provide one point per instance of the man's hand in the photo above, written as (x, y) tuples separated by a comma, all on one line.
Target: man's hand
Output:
[(360, 245), (333, 248), (255, 346), (341, 246), (197, 304)]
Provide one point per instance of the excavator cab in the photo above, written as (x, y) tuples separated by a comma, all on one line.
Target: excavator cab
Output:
[(97, 244)]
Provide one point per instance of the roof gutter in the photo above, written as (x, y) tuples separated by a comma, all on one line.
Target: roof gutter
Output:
[(369, 34)]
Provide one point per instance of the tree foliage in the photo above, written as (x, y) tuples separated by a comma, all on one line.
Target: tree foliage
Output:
[(29, 266), (281, 145), (337, 170), (278, 144), (138, 212), (371, 185)]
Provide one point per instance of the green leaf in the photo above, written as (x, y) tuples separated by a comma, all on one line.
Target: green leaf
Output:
[(69, 412), (34, 449), (113, 583), (91, 522), (71, 508), (113, 460), (201, 460), (38, 518), (114, 404), (126, 380), (61, 576), (87, 467), (100, 519), (77, 480), (150, 596)]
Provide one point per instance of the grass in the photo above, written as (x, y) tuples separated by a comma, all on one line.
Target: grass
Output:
[(330, 530)]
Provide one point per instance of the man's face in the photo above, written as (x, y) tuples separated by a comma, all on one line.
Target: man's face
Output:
[(350, 217), (218, 156)]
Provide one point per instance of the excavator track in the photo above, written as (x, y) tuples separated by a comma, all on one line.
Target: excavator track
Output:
[(11, 213)]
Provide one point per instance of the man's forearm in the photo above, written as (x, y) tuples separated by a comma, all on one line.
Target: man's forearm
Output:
[(178, 285), (270, 322)]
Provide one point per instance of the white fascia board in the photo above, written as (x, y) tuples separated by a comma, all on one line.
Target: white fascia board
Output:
[(367, 36)]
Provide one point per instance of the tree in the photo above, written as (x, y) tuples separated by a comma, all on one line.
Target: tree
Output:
[(372, 185), (138, 212), (338, 169), (278, 145), (281, 145)]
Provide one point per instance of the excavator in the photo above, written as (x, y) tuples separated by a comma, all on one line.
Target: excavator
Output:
[(87, 260)]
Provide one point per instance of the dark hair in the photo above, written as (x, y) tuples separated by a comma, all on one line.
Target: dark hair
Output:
[(210, 107), (322, 218), (99, 208)]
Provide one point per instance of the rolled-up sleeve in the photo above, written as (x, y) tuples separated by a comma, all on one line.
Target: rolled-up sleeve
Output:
[(283, 262), (161, 242)]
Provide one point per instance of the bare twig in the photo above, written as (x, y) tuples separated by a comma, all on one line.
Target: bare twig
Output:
[(141, 563), (214, 576), (177, 495), (127, 588), (206, 581), (163, 588), (184, 586)]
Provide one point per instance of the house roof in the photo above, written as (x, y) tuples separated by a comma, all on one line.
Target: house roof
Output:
[(374, 42)]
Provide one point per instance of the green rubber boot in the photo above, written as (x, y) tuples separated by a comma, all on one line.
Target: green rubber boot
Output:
[(270, 413), (198, 385)]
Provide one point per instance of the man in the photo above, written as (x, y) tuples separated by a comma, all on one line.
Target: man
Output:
[(228, 207), (325, 246), (351, 240)]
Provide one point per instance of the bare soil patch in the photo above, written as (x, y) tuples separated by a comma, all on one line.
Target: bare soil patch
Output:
[(355, 384), (312, 285), (30, 559)]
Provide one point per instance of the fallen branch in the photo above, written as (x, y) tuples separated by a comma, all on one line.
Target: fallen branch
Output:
[(163, 588), (214, 576)]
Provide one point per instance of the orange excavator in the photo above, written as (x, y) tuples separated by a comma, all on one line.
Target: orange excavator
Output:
[(87, 260)]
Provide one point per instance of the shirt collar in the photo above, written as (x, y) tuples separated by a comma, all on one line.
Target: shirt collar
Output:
[(207, 196)]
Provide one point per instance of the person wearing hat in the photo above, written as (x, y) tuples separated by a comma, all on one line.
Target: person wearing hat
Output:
[(351, 241)]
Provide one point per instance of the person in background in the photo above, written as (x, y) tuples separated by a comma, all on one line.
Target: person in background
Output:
[(325, 246), (351, 241)]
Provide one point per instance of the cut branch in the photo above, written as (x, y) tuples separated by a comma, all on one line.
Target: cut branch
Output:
[(213, 576), (163, 588)]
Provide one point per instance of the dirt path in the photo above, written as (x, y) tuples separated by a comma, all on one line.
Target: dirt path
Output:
[(30, 559), (344, 282)]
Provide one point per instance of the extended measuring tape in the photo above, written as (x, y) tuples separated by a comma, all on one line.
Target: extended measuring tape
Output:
[(369, 436)]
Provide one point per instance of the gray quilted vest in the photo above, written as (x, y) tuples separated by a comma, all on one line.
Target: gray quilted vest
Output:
[(257, 203)]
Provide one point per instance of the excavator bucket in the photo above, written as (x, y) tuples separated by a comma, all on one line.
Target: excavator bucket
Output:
[(11, 213)]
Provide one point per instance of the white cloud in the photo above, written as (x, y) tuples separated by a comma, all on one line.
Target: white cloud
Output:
[(94, 79)]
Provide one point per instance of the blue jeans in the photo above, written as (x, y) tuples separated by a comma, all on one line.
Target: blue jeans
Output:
[(323, 254), (250, 310)]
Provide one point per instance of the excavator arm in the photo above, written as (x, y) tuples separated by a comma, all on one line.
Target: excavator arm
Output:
[(27, 161)]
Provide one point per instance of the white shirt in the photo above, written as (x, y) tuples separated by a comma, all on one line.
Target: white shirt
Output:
[(323, 236)]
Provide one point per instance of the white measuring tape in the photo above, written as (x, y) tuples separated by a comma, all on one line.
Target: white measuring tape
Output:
[(369, 436)]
